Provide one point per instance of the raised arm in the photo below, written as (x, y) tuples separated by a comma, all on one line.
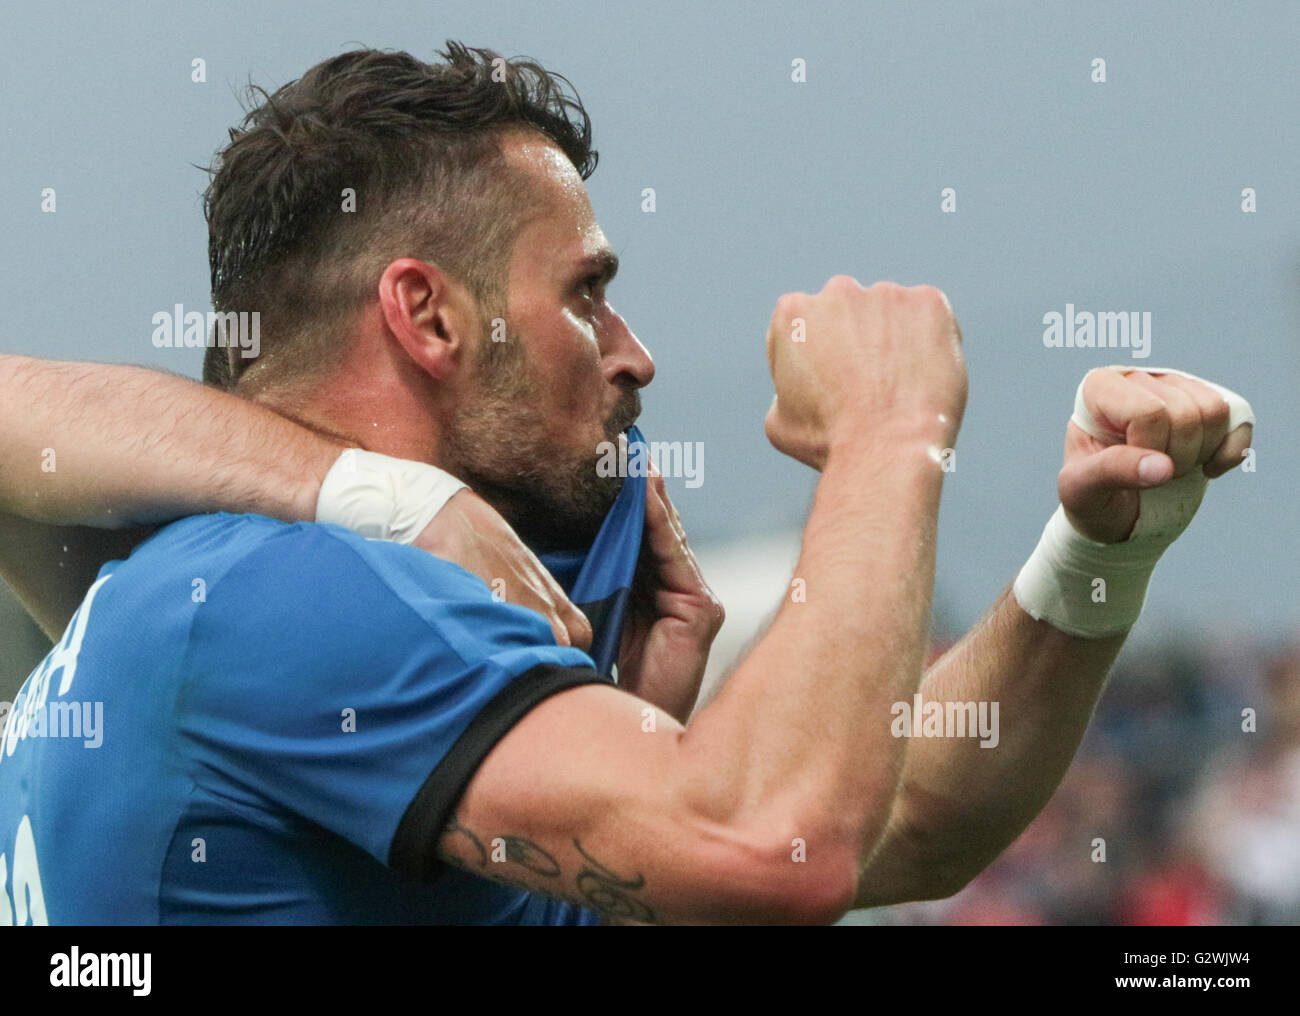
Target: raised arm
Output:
[(961, 803), (766, 805)]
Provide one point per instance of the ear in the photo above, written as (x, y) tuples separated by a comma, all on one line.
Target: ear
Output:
[(433, 317)]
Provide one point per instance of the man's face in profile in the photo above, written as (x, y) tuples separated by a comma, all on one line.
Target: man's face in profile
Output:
[(564, 379)]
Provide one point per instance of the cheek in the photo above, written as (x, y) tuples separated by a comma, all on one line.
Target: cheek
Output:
[(579, 383)]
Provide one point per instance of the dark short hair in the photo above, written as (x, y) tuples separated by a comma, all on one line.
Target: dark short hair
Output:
[(418, 144)]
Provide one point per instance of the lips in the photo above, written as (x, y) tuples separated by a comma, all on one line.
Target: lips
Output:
[(624, 415)]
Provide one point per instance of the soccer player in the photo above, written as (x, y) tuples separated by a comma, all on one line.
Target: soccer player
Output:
[(286, 722)]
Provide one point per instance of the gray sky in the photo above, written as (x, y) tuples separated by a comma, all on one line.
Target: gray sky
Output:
[(1122, 196)]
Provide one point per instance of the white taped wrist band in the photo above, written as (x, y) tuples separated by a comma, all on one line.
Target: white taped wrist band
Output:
[(381, 497), (1084, 588), (1093, 590)]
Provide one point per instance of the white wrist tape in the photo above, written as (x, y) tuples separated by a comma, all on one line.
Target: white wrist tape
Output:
[(383, 498), (1091, 589)]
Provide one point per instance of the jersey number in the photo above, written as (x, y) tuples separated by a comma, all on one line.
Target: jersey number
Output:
[(28, 897)]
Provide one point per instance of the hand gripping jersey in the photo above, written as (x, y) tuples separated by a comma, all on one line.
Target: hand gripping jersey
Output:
[(255, 722)]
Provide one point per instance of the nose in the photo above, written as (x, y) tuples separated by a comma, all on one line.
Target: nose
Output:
[(623, 359)]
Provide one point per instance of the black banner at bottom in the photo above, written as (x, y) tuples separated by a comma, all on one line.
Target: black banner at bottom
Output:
[(372, 965)]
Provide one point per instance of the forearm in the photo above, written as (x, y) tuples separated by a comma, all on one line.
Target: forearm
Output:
[(960, 804), (799, 736), (114, 446)]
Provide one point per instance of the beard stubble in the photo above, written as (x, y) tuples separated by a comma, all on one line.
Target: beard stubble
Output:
[(553, 497)]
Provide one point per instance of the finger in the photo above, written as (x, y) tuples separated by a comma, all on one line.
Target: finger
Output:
[(558, 629), (1213, 408), (470, 533), (676, 521), (1230, 453), (660, 492), (569, 625), (1127, 411), (1183, 443), (566, 619), (526, 582), (666, 543), (677, 569), (1088, 483), (660, 513), (524, 588), (576, 624)]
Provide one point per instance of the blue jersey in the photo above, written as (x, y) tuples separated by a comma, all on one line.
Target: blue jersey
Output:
[(254, 722)]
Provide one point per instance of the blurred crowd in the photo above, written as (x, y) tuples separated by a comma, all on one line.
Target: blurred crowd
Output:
[(1190, 775)]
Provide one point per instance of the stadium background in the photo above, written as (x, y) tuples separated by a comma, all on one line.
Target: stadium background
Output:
[(1123, 195)]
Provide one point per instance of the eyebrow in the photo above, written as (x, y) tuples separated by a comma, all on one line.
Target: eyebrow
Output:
[(604, 261)]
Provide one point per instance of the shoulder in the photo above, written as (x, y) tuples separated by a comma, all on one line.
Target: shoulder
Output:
[(253, 550), (324, 589)]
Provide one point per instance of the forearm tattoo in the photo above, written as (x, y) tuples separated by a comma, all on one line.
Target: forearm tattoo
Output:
[(610, 894), (596, 885), (528, 854), (454, 828)]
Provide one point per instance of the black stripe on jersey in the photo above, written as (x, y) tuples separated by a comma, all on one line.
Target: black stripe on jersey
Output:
[(414, 850), (605, 637)]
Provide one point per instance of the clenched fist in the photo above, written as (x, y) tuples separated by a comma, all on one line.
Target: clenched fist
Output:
[(1156, 427), (854, 361)]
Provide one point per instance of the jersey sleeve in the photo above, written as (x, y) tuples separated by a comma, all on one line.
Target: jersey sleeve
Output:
[(358, 685)]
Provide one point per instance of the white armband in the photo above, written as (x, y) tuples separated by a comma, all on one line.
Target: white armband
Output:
[(1092, 590), (383, 498)]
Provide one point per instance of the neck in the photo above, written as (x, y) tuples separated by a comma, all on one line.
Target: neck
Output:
[(389, 411)]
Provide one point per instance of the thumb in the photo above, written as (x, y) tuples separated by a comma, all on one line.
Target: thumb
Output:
[(1090, 481), (576, 625)]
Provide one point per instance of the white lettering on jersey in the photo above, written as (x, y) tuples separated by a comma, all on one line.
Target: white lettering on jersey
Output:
[(31, 700), (28, 896)]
